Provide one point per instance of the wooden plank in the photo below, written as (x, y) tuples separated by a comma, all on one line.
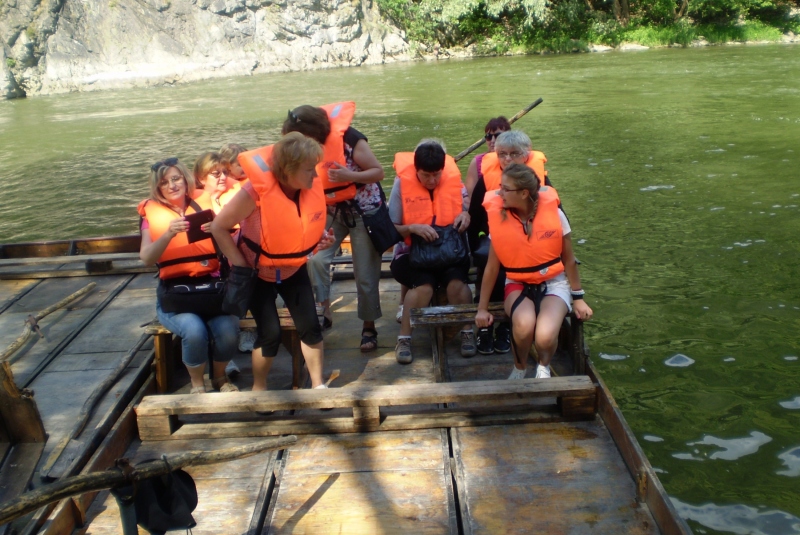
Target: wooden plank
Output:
[(69, 513), (18, 411), (268, 484), (453, 314), (367, 395), (568, 475), (61, 260), (162, 346), (418, 419), (667, 518), (17, 470), (109, 244), (13, 291)]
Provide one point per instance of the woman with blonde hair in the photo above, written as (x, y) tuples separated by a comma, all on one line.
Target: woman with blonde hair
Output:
[(189, 265), (211, 175), (282, 213), (531, 239)]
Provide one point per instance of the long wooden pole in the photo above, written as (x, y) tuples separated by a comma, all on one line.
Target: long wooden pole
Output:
[(31, 324), (72, 486), (521, 113)]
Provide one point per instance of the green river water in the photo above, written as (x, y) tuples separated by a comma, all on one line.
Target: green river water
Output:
[(678, 169)]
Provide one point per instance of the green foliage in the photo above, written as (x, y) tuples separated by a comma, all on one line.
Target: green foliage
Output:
[(11, 62), (501, 26)]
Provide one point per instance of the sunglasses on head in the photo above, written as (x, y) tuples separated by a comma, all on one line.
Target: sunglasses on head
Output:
[(169, 162)]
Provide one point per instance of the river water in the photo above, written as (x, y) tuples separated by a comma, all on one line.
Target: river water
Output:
[(678, 169)]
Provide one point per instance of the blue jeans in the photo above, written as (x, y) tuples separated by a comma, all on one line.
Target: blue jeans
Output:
[(194, 333)]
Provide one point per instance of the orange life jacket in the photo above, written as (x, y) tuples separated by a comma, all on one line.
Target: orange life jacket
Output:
[(181, 258), (340, 116), (233, 188), (439, 206), (530, 260), (490, 168), (289, 231)]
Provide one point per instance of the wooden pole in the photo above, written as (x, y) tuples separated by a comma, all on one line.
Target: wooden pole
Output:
[(72, 486), (521, 113), (32, 321)]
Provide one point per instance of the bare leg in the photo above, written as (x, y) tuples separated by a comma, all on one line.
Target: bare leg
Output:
[(326, 305), (415, 298), (551, 315), (313, 354), (522, 328), (196, 375), (459, 293), (261, 367)]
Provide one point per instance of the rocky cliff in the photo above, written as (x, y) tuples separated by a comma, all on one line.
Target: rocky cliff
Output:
[(53, 46)]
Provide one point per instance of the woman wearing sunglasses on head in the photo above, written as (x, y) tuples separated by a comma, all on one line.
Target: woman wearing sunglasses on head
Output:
[(186, 269), (531, 240)]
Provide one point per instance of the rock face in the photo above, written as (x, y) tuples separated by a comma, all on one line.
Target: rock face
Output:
[(54, 46)]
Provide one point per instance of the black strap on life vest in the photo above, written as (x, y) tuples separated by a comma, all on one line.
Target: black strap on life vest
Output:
[(533, 269), (256, 248), (337, 188), (534, 292), (196, 258)]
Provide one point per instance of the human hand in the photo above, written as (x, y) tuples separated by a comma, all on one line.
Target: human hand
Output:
[(178, 225), (462, 221), (582, 310), (339, 173), (326, 241), (206, 227), (426, 232), (483, 318)]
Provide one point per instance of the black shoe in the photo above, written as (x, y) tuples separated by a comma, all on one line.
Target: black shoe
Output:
[(485, 345), (502, 338)]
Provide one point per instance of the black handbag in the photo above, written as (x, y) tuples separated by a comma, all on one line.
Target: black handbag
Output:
[(196, 295), (449, 249), (379, 226), (238, 290)]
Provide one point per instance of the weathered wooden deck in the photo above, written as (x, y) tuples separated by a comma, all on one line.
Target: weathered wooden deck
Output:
[(563, 477)]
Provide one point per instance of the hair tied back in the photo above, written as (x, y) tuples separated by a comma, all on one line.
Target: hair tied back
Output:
[(293, 117)]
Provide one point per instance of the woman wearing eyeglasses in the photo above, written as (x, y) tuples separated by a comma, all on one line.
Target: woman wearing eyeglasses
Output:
[(183, 265), (211, 176), (282, 213), (531, 239)]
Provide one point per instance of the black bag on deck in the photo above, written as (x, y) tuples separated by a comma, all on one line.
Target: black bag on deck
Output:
[(238, 289), (196, 295), (449, 249), (379, 226)]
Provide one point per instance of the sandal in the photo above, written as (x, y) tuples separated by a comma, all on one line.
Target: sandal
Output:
[(224, 385), (369, 340)]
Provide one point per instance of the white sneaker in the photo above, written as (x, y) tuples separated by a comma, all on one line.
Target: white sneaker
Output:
[(246, 341), (542, 372), (232, 370), (399, 315), (517, 374)]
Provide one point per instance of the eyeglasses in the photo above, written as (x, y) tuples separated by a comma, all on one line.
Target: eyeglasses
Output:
[(509, 155), (218, 174), (169, 162), (490, 136), (504, 189), (174, 181)]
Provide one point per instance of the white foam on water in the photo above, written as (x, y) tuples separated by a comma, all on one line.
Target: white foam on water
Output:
[(790, 357), (712, 175), (687, 457), (652, 438), (593, 164), (761, 241), (648, 165), (659, 470), (607, 356), (716, 150), (792, 405), (705, 308), (703, 137), (742, 244), (609, 160), (733, 448), (739, 519), (750, 157), (653, 188), (791, 460), (728, 359), (716, 208), (679, 361), (642, 370), (776, 205), (582, 241)]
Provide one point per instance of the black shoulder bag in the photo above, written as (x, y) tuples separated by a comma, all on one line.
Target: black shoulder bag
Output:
[(449, 249), (379, 225)]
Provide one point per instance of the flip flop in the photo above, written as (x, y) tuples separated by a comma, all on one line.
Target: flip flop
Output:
[(369, 342)]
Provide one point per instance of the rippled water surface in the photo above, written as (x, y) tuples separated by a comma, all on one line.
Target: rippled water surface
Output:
[(678, 169)]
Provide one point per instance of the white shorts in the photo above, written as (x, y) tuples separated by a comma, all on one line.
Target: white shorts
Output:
[(558, 286)]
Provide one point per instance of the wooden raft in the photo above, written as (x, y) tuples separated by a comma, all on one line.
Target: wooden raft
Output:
[(158, 416), (165, 357)]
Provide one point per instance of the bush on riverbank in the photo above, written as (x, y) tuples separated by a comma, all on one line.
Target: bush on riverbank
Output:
[(501, 26)]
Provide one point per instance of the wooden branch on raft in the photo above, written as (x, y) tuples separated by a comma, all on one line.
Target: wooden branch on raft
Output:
[(31, 324), (73, 486), (521, 113)]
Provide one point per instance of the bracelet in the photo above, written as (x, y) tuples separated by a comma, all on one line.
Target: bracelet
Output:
[(577, 294)]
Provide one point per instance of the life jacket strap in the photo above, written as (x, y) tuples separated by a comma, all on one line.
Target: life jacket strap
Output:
[(533, 269), (185, 260), (256, 248), (338, 188)]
